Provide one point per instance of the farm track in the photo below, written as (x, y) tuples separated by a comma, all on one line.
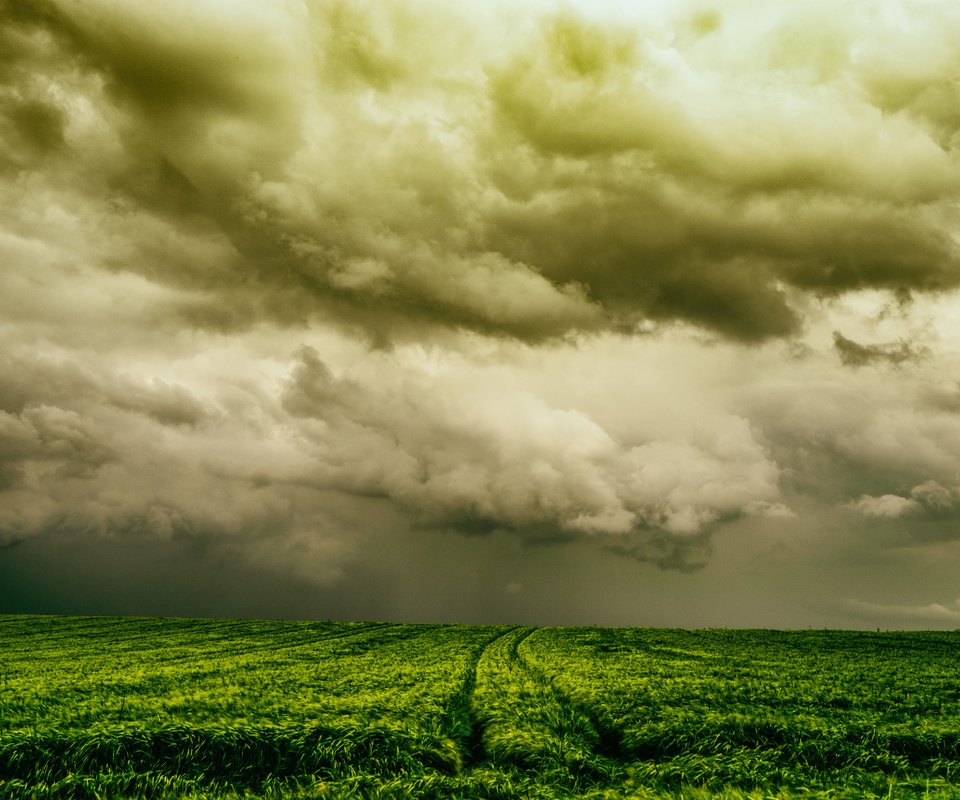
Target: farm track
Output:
[(465, 727), (610, 740), (515, 645), (515, 712)]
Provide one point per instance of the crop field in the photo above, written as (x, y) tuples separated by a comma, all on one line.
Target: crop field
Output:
[(164, 708)]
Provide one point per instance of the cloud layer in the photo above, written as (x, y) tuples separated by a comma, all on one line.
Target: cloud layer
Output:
[(302, 281), (523, 173)]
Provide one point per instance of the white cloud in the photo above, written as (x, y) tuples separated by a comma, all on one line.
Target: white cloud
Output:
[(447, 444), (934, 496), (887, 505)]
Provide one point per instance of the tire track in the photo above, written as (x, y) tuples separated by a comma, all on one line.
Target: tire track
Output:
[(514, 650), (460, 719), (609, 740), (509, 724)]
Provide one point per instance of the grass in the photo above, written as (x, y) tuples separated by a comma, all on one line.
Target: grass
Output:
[(215, 709)]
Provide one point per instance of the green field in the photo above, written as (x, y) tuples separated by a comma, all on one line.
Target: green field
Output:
[(138, 707)]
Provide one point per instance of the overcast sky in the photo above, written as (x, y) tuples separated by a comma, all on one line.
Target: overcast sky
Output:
[(543, 312)]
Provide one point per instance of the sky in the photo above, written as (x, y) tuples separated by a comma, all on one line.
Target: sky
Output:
[(597, 313)]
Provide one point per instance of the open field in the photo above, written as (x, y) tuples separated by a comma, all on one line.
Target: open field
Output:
[(135, 707)]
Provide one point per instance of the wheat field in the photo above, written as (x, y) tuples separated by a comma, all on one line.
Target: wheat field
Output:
[(190, 708)]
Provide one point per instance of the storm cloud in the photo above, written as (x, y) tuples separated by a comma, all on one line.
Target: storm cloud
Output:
[(855, 354), (672, 287), (519, 173)]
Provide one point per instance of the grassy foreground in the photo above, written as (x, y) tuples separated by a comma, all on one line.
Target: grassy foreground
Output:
[(134, 707)]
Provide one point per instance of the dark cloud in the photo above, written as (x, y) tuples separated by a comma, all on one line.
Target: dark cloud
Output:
[(140, 574), (587, 177), (684, 555), (854, 354), (29, 129)]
